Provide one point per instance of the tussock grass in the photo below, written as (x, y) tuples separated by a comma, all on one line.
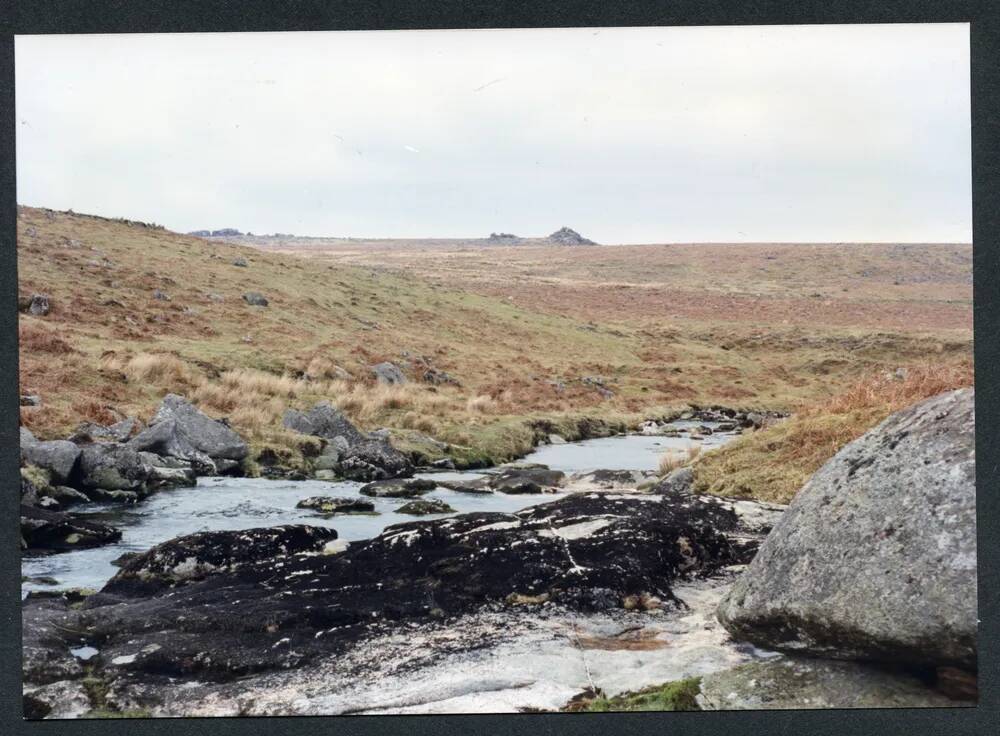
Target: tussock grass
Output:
[(673, 459), (772, 464)]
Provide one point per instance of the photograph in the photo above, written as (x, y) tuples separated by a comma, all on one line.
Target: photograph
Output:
[(493, 371)]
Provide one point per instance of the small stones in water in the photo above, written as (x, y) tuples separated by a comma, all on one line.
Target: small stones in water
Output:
[(424, 506), (398, 488), (333, 505)]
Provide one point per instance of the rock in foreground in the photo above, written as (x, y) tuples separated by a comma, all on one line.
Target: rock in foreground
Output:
[(815, 683), (266, 605), (876, 556)]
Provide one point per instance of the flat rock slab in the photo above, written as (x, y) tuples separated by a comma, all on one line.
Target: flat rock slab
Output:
[(876, 556), (254, 609), (787, 683)]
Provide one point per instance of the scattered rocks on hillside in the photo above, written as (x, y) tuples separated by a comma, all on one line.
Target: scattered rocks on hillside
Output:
[(181, 431), (438, 377), (398, 488), (240, 262), (388, 373), (876, 556), (42, 529), (36, 304), (255, 299), (814, 683), (567, 236), (161, 295), (334, 505), (425, 506)]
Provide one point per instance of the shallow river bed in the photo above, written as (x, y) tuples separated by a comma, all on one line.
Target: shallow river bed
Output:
[(242, 503)]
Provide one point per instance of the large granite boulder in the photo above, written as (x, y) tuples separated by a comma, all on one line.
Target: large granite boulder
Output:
[(59, 457), (180, 430), (876, 556)]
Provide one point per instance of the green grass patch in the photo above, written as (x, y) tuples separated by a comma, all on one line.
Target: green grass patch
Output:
[(679, 695)]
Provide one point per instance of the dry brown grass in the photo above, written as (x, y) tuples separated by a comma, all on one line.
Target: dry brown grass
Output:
[(772, 464), (672, 459), (33, 337)]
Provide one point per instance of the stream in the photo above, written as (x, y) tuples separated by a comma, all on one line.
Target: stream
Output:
[(218, 503)]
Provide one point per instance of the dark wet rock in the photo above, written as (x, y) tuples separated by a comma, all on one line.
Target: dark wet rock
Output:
[(876, 556), (444, 463), (90, 432), (567, 236), (101, 494), (335, 505), (425, 506), (323, 420), (124, 557), (255, 299), (526, 480), (398, 488), (63, 699), (195, 557), (59, 457), (679, 480), (815, 683), (56, 531), (586, 552), (388, 373), (609, 480), (36, 304), (181, 431)]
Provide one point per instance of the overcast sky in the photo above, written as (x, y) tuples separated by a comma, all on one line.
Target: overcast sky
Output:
[(795, 133)]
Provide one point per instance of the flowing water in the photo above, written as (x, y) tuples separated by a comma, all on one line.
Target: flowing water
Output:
[(240, 503)]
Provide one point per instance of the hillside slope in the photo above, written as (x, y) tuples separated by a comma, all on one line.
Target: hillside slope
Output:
[(137, 311)]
